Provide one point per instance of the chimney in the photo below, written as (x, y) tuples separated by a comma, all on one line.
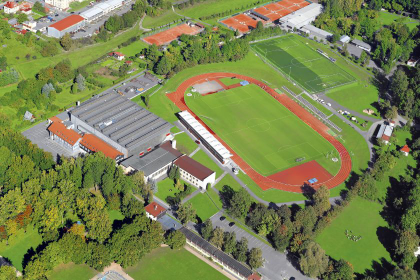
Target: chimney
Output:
[(174, 144), (156, 207)]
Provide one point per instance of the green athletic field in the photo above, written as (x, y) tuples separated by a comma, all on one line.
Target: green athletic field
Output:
[(262, 131), (305, 66)]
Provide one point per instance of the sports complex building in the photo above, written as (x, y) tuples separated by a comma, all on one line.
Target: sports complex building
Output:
[(287, 13)]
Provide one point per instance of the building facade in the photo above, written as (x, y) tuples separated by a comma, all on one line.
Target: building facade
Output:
[(67, 25), (154, 211), (195, 173)]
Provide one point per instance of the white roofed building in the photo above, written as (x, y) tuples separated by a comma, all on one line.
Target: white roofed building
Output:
[(92, 14), (102, 9), (301, 17), (315, 31), (208, 140)]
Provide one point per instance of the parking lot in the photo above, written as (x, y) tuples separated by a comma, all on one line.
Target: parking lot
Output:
[(137, 85), (276, 266)]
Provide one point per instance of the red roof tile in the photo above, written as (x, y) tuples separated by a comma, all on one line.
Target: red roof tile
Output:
[(11, 5), (55, 119), (95, 144), (154, 209), (193, 167), (67, 22), (118, 54), (68, 135), (405, 149)]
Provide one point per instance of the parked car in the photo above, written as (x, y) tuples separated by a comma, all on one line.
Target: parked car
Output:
[(222, 218), (329, 104), (198, 142), (235, 171), (231, 224)]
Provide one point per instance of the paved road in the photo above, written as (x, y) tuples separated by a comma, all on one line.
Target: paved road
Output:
[(276, 265)]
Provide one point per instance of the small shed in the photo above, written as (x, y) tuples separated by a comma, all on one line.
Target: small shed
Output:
[(244, 83), (344, 40), (405, 150), (28, 116)]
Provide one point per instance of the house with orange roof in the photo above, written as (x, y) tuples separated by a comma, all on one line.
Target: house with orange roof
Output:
[(405, 150), (154, 211)]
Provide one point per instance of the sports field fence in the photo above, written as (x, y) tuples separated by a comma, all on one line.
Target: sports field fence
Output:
[(313, 110)]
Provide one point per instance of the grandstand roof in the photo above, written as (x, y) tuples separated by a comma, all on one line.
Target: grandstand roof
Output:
[(67, 22), (204, 134), (92, 12)]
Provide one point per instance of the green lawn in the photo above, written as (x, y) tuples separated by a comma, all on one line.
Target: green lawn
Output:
[(254, 126), (357, 97), (363, 218), (184, 143), (308, 68), (167, 17), (175, 129), (133, 48), (166, 188), (164, 263), (228, 180), (230, 81), (19, 246), (115, 215), (75, 6), (204, 206), (205, 160), (71, 271), (386, 18)]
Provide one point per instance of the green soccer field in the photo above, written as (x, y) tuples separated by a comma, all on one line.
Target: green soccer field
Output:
[(301, 63), (262, 131)]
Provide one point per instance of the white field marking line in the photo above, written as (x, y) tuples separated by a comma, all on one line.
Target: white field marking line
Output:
[(328, 84), (230, 104), (301, 61)]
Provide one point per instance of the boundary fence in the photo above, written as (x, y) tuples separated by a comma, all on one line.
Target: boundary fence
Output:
[(315, 111)]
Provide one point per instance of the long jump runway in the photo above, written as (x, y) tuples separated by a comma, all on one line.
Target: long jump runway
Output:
[(292, 182)]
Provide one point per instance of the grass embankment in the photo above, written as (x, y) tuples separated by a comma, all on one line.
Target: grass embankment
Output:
[(168, 17), (386, 18), (204, 206), (164, 263), (71, 271)]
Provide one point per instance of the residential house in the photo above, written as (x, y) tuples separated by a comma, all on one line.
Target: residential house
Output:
[(154, 211), (405, 150)]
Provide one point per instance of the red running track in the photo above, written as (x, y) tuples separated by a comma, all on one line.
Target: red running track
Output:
[(265, 182)]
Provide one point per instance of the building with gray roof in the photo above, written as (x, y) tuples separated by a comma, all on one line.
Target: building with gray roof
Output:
[(121, 123), (315, 31), (362, 45)]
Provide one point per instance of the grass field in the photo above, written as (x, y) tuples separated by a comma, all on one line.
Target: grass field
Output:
[(71, 271), (386, 18), (205, 160), (115, 215), (363, 218), (185, 143), (75, 6), (166, 188), (133, 48), (254, 125), (308, 68), (19, 246), (204, 206), (230, 81), (164, 263), (167, 17)]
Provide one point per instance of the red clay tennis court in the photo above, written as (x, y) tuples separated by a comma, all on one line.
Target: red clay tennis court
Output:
[(294, 182), (240, 22), (167, 36)]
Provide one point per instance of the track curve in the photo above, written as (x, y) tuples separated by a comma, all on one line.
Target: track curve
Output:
[(264, 182)]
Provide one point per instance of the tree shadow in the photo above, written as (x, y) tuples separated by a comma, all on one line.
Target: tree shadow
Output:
[(378, 269), (226, 195), (307, 190), (387, 237)]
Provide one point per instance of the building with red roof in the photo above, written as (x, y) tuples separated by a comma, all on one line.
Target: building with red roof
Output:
[(117, 55), (405, 150), (69, 24), (154, 211), (195, 173), (11, 7), (65, 136), (91, 143)]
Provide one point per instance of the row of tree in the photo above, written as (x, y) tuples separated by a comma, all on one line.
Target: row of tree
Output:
[(227, 242)]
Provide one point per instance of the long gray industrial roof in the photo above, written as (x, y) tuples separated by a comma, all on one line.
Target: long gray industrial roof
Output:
[(120, 119)]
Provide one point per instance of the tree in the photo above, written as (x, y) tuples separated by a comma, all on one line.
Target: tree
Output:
[(255, 258), (313, 261), (22, 18), (392, 113), (37, 7), (207, 229), (80, 80), (217, 237), (339, 270), (175, 240), (321, 199), (99, 256), (186, 213), (7, 273), (402, 274), (239, 203), (406, 243), (172, 172), (229, 242), (177, 174), (66, 42), (241, 250)]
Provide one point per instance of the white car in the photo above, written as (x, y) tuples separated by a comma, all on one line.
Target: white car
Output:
[(329, 104)]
